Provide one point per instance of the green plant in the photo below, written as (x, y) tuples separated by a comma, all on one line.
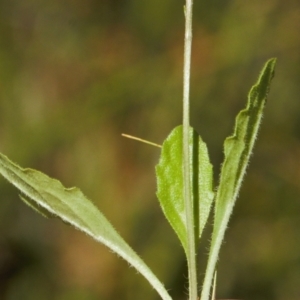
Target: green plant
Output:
[(184, 185)]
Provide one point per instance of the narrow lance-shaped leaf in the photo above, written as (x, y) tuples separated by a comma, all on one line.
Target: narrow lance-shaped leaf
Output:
[(50, 197), (237, 151), (170, 182)]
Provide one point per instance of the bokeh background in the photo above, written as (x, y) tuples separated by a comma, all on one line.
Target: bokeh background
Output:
[(76, 74)]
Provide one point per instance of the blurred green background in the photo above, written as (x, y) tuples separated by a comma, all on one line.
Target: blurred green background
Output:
[(76, 74)]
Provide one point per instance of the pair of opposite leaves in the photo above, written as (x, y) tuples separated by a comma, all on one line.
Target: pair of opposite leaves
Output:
[(49, 197), (237, 151)]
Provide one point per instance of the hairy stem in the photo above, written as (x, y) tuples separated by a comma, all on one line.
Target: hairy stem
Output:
[(191, 255)]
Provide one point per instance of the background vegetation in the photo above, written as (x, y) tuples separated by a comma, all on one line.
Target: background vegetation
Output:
[(76, 74)]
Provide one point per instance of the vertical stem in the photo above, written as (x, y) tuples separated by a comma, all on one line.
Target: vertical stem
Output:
[(186, 154)]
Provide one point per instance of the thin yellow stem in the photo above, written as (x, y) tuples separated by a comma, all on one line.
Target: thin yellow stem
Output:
[(140, 140)]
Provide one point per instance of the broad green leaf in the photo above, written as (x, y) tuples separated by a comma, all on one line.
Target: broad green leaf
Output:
[(237, 151), (49, 196), (170, 182), (205, 185)]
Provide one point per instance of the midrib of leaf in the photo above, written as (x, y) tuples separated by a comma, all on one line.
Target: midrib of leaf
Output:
[(237, 151)]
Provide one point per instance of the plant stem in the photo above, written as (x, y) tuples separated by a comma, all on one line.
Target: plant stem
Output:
[(191, 256), (217, 238)]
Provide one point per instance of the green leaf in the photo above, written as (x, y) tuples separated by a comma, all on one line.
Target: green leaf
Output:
[(237, 150), (36, 207), (49, 195), (205, 185), (170, 182)]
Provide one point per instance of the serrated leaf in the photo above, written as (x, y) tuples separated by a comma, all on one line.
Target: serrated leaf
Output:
[(239, 146), (74, 208), (170, 182), (237, 152)]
